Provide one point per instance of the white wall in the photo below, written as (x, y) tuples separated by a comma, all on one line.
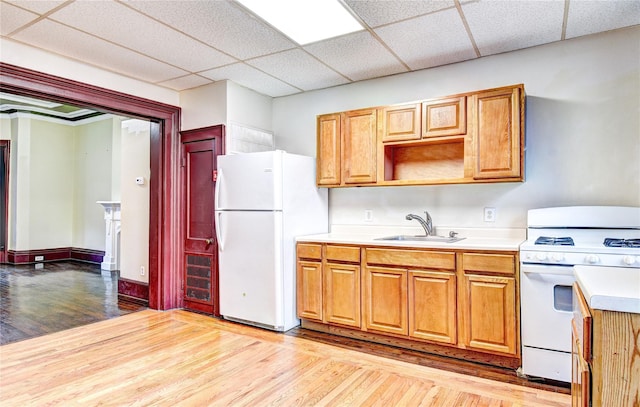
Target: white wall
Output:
[(134, 237), (582, 131), (51, 188), (204, 106), (92, 181)]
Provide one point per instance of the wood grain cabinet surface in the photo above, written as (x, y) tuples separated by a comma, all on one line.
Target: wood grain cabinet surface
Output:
[(465, 138), (608, 375), (427, 297)]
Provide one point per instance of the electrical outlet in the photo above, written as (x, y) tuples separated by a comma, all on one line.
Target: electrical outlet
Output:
[(368, 215), (142, 270), (489, 214)]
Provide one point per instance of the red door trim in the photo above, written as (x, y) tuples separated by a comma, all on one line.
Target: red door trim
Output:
[(165, 221)]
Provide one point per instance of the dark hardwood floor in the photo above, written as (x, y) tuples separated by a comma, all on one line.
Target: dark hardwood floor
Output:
[(58, 296)]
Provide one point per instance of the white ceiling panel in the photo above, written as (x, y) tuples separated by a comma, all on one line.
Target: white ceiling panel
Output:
[(12, 18), (181, 44), (376, 13), (501, 26), (431, 40), (220, 23), (299, 69), (251, 78), (38, 6), (77, 45), (589, 17), (124, 26), (358, 56), (185, 82)]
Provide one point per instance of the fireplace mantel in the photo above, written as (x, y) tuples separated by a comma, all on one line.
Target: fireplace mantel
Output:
[(111, 259)]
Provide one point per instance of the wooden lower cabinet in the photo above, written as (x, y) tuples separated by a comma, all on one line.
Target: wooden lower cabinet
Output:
[(490, 313), (385, 300), (435, 299), (609, 375), (342, 294), (432, 306), (309, 293)]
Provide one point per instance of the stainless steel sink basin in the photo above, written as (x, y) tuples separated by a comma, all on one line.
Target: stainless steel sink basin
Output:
[(410, 238)]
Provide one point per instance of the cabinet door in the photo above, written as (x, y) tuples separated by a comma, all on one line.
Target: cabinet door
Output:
[(328, 150), (309, 290), (342, 294), (432, 306), (490, 313), (580, 376), (359, 146), (444, 117), (497, 132), (385, 300), (401, 123)]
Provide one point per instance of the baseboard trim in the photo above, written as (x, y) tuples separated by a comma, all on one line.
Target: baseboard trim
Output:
[(56, 254), (133, 291)]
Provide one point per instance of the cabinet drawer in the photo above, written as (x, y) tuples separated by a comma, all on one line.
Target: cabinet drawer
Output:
[(309, 251), (489, 263), (412, 258), (342, 253)]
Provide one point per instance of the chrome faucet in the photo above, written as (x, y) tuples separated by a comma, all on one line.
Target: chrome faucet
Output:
[(426, 223)]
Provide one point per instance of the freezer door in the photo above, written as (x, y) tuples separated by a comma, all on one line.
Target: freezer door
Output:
[(249, 181), (250, 266)]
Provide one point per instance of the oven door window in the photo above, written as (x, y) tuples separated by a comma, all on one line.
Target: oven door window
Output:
[(563, 298)]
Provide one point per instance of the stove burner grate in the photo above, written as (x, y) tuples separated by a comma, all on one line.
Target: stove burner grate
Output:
[(555, 241), (613, 242)]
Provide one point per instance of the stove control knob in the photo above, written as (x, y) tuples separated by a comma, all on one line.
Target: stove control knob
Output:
[(558, 257), (541, 256), (628, 260), (592, 259)]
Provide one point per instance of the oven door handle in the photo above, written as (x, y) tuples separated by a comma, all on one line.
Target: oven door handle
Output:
[(547, 269)]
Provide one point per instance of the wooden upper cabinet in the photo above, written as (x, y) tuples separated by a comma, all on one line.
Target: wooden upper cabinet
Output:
[(400, 123), (444, 117), (359, 147), (497, 131), (328, 150)]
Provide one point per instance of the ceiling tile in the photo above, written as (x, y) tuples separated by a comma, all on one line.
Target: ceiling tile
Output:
[(376, 13), (431, 40), (37, 6), (588, 17), (218, 23), (66, 41), (299, 69), (251, 78), (140, 33), (358, 56), (185, 82), (501, 26), (12, 18)]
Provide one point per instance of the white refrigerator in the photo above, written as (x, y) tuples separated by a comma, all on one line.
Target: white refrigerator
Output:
[(262, 202)]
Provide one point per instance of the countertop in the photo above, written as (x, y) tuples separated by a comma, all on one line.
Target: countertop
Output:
[(502, 243), (610, 288)]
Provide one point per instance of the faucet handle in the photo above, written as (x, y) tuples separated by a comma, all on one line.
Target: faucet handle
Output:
[(452, 233)]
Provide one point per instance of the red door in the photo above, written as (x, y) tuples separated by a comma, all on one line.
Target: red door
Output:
[(200, 281)]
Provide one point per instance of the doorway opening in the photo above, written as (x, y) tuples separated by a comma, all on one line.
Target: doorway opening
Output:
[(165, 222)]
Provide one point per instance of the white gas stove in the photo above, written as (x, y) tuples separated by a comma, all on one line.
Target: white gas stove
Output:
[(557, 240)]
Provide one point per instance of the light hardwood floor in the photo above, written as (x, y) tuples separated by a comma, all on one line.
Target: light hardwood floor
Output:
[(179, 358)]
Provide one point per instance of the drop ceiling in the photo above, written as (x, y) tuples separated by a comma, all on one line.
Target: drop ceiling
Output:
[(184, 44)]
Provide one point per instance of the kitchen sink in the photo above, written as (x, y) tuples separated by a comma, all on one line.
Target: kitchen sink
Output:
[(411, 238)]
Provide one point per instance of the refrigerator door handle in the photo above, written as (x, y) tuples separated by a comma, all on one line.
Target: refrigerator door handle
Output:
[(216, 192), (218, 232)]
